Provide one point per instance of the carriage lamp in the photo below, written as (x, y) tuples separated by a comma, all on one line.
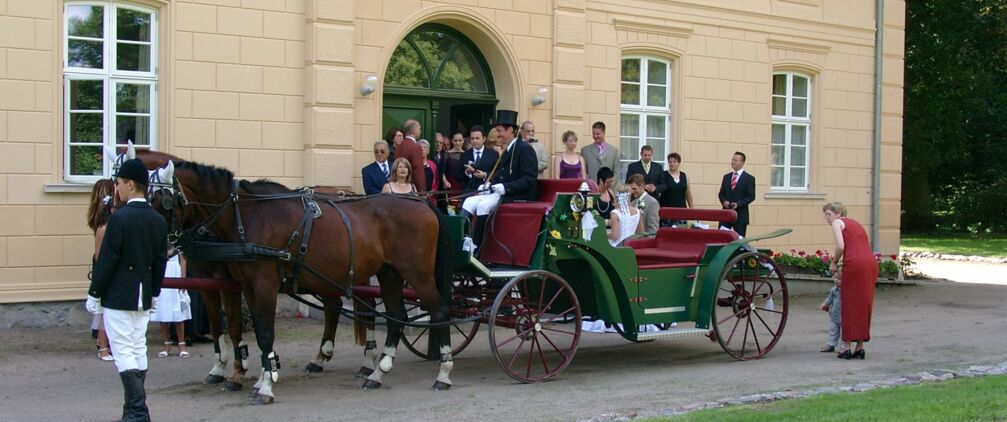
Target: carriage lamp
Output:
[(541, 97), (369, 85)]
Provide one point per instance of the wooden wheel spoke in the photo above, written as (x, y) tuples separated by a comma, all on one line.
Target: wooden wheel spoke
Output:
[(541, 355), (510, 364), (418, 337), (531, 354), (519, 334), (769, 310), (744, 340), (541, 294), (459, 330), (733, 330), (771, 331), (544, 328), (554, 347), (735, 315), (754, 335), (551, 301), (557, 316)]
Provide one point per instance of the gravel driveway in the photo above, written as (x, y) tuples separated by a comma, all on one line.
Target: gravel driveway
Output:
[(52, 374)]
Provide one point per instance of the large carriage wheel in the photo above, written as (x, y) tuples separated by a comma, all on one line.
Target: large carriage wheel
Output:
[(535, 326), (750, 310), (416, 338)]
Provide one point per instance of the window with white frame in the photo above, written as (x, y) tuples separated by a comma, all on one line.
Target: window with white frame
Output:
[(791, 137), (109, 84), (645, 109)]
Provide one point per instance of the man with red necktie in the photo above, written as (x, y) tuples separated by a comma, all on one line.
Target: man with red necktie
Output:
[(737, 190)]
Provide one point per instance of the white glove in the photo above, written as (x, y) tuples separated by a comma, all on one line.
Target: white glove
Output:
[(93, 304), (153, 304), (498, 189)]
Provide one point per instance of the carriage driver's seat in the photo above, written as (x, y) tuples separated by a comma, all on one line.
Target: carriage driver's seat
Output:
[(511, 236)]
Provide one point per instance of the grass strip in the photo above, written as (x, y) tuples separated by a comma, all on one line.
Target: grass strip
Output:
[(955, 245), (980, 398)]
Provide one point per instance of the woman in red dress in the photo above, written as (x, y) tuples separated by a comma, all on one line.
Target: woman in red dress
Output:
[(856, 276)]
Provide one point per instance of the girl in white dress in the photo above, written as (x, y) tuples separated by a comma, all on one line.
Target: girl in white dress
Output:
[(625, 219), (173, 308)]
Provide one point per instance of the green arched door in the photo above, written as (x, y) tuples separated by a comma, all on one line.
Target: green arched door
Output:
[(437, 76)]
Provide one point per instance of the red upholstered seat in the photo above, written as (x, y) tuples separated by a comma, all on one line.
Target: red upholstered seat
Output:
[(512, 234), (724, 216), (674, 246)]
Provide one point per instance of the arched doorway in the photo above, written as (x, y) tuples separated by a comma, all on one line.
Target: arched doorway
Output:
[(438, 76)]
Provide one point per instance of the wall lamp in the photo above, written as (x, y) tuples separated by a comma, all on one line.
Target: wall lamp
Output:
[(540, 97), (369, 85)]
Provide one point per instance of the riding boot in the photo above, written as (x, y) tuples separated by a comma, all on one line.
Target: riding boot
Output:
[(136, 398), (479, 232)]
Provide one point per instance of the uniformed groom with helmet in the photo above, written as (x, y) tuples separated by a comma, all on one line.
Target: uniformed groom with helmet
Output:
[(515, 177), (126, 281)]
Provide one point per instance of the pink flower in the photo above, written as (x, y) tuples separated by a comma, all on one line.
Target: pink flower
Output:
[(895, 257), (801, 253), (818, 252), (793, 251)]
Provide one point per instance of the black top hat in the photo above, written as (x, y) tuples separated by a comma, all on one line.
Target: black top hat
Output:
[(133, 170), (506, 118)]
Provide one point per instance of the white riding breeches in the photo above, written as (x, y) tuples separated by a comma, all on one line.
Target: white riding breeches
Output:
[(481, 204), (127, 336)]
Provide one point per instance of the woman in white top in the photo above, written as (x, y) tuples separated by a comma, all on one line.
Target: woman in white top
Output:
[(173, 308), (401, 179), (625, 218)]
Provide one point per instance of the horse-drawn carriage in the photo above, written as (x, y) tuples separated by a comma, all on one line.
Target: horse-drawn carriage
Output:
[(543, 268)]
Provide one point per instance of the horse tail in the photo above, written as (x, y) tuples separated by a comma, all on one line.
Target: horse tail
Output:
[(444, 278), (364, 320)]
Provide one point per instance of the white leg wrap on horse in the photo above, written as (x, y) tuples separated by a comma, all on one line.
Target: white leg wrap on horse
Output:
[(244, 361), (258, 383), (447, 364), (385, 365), (375, 376), (219, 359), (266, 389), (274, 375), (327, 349)]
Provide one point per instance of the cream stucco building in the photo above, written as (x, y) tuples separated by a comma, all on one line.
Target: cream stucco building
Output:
[(279, 89)]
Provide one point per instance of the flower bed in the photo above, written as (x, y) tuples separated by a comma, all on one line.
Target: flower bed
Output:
[(803, 263)]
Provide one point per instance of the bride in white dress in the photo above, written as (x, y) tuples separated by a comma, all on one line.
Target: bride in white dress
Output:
[(625, 218)]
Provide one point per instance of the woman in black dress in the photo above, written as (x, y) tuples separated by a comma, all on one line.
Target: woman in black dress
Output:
[(606, 199), (673, 187)]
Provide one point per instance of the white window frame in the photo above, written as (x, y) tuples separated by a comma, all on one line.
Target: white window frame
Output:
[(110, 77), (789, 121), (643, 110)]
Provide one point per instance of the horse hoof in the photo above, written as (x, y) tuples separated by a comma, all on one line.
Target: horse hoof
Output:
[(371, 385), (440, 386), (364, 372), (213, 379), (262, 399), (231, 386), (313, 368)]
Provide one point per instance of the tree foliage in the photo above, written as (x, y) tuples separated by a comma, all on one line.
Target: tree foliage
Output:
[(955, 122)]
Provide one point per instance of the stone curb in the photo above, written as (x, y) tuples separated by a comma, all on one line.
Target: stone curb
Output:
[(962, 258), (917, 378)]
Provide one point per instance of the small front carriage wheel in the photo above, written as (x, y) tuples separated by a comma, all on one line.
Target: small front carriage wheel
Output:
[(535, 326), (750, 309)]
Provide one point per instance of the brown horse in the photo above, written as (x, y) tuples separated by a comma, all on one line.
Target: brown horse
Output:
[(398, 238), (159, 190)]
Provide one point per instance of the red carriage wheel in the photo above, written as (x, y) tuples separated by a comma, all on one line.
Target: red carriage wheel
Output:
[(416, 338), (535, 326), (751, 304)]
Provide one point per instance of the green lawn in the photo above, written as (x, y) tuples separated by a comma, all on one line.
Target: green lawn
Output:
[(962, 245), (969, 399)]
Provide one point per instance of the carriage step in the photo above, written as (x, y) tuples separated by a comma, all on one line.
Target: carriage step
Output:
[(673, 333)]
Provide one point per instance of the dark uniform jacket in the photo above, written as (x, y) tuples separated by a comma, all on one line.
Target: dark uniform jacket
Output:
[(743, 194), (651, 178), (518, 171), (485, 163), (133, 254)]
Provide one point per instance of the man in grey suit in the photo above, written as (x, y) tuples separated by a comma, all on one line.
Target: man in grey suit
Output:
[(600, 153), (649, 206)]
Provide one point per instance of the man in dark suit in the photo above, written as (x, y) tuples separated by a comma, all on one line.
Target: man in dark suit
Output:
[(737, 190), (646, 167), (375, 174), (126, 281), (478, 161), (410, 150), (515, 178)]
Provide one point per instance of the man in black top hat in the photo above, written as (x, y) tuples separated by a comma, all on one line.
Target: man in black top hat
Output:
[(126, 281), (515, 177)]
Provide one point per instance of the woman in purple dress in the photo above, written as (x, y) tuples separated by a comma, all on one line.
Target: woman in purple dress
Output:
[(569, 162)]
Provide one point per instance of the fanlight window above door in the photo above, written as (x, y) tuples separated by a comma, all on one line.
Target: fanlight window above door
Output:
[(435, 57)]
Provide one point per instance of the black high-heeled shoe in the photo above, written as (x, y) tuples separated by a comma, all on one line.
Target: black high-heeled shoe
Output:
[(845, 354), (858, 354)]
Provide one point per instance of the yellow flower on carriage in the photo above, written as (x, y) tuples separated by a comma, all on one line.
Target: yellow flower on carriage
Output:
[(555, 234)]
